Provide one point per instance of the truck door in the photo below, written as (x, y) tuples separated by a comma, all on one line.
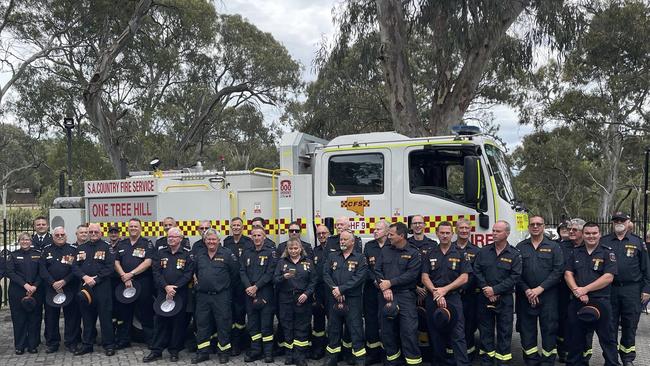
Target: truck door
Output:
[(434, 186), (355, 183)]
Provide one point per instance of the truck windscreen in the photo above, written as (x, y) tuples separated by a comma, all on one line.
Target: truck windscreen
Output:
[(502, 176)]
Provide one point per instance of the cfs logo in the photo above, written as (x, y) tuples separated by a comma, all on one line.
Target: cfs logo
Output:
[(356, 205)]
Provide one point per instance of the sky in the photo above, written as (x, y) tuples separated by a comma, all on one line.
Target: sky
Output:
[(301, 26)]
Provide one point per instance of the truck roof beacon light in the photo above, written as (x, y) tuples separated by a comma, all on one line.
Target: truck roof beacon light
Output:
[(465, 130)]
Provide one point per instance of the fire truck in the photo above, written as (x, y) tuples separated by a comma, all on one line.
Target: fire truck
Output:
[(365, 177)]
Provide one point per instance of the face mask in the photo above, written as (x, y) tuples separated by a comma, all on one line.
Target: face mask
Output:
[(619, 228)]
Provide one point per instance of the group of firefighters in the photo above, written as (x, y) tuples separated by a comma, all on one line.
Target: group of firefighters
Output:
[(398, 299)]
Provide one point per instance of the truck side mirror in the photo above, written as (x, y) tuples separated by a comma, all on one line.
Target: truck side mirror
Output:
[(472, 180)]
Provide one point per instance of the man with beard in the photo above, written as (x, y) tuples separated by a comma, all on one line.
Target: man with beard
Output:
[(631, 286)]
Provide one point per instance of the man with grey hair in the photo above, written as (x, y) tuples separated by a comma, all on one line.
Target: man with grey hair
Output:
[(168, 223), (216, 269), (497, 268), (564, 294), (342, 224), (468, 292), (372, 251), (55, 268)]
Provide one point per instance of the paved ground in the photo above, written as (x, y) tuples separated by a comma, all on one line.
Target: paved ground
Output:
[(134, 355)]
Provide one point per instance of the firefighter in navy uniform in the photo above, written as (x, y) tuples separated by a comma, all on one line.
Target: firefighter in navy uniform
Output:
[(372, 251), (342, 224), (564, 293), (419, 239), (168, 223), (294, 233), (537, 293), (398, 271), (497, 268), (133, 263), (238, 244), (344, 273), (172, 269), (94, 266), (631, 286), (470, 292), (318, 339), (216, 269), (589, 274), (41, 237), (295, 277), (257, 264), (424, 244), (445, 270), (25, 282), (56, 271)]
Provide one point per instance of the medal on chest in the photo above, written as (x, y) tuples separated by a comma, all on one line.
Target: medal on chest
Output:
[(262, 259), (433, 262), (352, 265), (597, 262), (138, 252), (100, 255), (180, 263), (163, 262), (454, 263)]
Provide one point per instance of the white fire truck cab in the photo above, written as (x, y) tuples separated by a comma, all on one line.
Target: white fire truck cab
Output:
[(366, 177)]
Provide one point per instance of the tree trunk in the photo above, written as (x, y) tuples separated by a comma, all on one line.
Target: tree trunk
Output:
[(449, 105), (93, 94), (613, 144), (397, 74)]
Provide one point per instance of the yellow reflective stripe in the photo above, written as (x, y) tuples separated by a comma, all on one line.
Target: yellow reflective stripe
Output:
[(283, 344), (333, 350), (394, 357), (203, 345), (626, 350), (267, 338), (490, 354), (494, 198), (300, 343), (318, 334), (471, 349), (213, 336), (505, 357), (413, 361), (530, 351), (560, 339), (587, 352), (449, 351), (289, 345), (549, 353), (374, 345), (256, 336), (238, 326), (346, 344), (359, 353), (401, 144), (120, 322), (224, 348)]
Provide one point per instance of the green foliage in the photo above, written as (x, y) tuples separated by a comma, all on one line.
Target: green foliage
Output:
[(601, 93)]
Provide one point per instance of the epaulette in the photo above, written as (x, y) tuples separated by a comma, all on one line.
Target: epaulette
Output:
[(74, 245), (47, 246), (186, 249), (607, 247)]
